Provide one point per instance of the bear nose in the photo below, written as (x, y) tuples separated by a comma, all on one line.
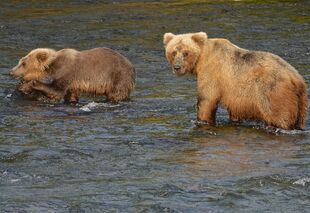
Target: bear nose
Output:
[(176, 67)]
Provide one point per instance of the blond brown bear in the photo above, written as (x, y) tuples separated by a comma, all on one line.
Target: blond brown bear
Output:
[(250, 84), (68, 72)]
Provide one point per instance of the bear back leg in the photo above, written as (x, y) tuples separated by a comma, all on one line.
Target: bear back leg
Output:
[(287, 107), (118, 95), (302, 106), (120, 92)]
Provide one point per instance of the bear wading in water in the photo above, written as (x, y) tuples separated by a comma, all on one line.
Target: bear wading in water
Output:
[(66, 73), (251, 85)]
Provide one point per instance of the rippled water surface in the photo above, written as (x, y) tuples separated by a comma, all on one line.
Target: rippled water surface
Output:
[(148, 154)]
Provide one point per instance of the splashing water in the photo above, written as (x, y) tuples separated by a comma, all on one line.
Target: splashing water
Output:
[(302, 181), (93, 105)]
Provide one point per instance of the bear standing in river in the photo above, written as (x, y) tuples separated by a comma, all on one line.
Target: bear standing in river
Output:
[(250, 84), (68, 72)]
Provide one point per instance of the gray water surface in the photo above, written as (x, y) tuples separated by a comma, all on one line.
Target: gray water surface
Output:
[(148, 154)]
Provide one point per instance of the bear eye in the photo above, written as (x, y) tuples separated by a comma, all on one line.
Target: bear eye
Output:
[(174, 53), (185, 54), (24, 64)]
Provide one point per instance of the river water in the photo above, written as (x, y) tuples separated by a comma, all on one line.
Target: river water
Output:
[(148, 154)]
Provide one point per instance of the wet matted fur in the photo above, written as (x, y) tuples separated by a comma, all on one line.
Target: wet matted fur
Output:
[(250, 84), (68, 72)]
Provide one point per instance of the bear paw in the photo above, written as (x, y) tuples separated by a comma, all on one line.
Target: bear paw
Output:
[(24, 88)]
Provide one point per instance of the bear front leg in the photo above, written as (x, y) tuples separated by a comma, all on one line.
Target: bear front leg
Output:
[(206, 110), (232, 118), (49, 91), (24, 87), (71, 97)]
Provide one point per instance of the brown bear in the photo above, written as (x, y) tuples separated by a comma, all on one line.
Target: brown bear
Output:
[(250, 84), (68, 72)]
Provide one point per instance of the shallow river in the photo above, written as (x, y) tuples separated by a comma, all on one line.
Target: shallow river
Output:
[(148, 154)]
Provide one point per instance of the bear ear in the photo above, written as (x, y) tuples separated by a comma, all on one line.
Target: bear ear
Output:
[(45, 57), (42, 56), (168, 37), (199, 38)]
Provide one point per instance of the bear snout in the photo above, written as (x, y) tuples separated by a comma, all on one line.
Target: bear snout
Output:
[(177, 68), (12, 73), (16, 72)]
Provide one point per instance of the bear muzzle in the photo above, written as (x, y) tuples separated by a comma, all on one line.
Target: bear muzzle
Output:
[(15, 73), (177, 67), (179, 70), (12, 72)]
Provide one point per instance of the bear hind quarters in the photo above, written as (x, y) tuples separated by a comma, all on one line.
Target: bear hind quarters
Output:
[(302, 109), (289, 114), (120, 91)]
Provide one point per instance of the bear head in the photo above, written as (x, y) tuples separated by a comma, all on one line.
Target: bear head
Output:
[(183, 50), (34, 65)]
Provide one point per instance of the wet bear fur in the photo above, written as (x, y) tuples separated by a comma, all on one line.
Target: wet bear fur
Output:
[(251, 85), (66, 73)]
